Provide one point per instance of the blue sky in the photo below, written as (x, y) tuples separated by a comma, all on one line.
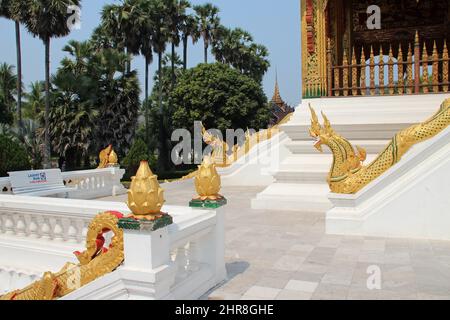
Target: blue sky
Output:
[(276, 24)]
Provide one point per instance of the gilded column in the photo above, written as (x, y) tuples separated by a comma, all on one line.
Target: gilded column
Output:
[(314, 48)]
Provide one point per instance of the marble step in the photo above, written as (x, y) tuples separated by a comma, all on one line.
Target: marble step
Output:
[(294, 197)]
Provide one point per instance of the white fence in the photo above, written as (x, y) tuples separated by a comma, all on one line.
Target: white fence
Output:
[(89, 184), (41, 234)]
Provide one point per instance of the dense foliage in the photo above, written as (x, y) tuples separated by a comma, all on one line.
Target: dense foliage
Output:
[(93, 99), (221, 97), (13, 157), (138, 152)]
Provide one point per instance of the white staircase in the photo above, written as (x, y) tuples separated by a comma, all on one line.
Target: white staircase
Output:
[(370, 122)]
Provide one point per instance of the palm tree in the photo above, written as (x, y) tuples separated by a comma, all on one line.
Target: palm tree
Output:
[(160, 35), (208, 22), (47, 19), (33, 142), (8, 87), (177, 16), (35, 103), (236, 48), (11, 9), (188, 28), (73, 119), (120, 23)]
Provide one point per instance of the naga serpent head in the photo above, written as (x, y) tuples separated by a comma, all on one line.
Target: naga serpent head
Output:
[(322, 134)]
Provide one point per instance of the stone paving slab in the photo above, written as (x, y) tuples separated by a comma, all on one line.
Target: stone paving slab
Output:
[(287, 255)]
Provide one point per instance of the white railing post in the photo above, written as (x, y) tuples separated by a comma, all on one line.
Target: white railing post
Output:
[(147, 256)]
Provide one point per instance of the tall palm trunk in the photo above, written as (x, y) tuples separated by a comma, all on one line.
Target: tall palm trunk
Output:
[(185, 49), (147, 130), (206, 51), (19, 79), (128, 64), (47, 163), (173, 65), (162, 160)]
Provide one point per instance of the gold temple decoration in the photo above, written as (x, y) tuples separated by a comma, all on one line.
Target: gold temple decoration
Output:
[(345, 74), (347, 174), (391, 71), (108, 158), (145, 197), (207, 181), (363, 72), (94, 263), (400, 71), (337, 82), (381, 71), (445, 64), (238, 152), (354, 74), (425, 80), (314, 62), (372, 72), (409, 72), (220, 147), (435, 69)]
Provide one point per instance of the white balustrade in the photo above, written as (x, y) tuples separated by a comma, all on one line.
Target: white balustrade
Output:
[(41, 234), (89, 184), (5, 186)]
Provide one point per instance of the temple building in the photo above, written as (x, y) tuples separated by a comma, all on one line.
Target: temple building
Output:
[(279, 108), (376, 47)]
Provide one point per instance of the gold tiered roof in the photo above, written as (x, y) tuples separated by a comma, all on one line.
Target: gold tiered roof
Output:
[(277, 96)]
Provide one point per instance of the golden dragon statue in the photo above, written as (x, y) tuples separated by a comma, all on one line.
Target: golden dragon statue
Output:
[(94, 263), (347, 174)]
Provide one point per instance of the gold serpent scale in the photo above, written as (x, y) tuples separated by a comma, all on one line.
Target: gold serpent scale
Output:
[(347, 174), (95, 262)]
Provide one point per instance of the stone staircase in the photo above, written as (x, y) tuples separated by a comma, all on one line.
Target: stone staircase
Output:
[(369, 122)]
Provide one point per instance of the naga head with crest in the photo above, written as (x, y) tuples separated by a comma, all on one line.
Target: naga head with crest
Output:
[(322, 134)]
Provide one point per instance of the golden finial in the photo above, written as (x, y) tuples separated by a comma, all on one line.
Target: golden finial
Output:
[(207, 181), (145, 197)]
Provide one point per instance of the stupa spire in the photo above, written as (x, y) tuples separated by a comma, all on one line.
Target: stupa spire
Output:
[(276, 96)]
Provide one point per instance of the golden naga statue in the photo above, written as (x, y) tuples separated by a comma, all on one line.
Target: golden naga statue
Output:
[(95, 262), (347, 174), (207, 181), (145, 197), (220, 148), (108, 158)]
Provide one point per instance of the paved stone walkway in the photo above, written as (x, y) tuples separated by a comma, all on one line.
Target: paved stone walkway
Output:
[(287, 255)]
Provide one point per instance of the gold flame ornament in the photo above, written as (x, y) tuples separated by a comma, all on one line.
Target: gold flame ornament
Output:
[(108, 158), (207, 181), (145, 197)]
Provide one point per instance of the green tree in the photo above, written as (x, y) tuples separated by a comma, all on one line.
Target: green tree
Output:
[(13, 157), (138, 152), (72, 117), (208, 23), (11, 9), (159, 13), (236, 48), (117, 100), (47, 19), (165, 117), (34, 105), (8, 81), (32, 141), (6, 116), (220, 97)]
